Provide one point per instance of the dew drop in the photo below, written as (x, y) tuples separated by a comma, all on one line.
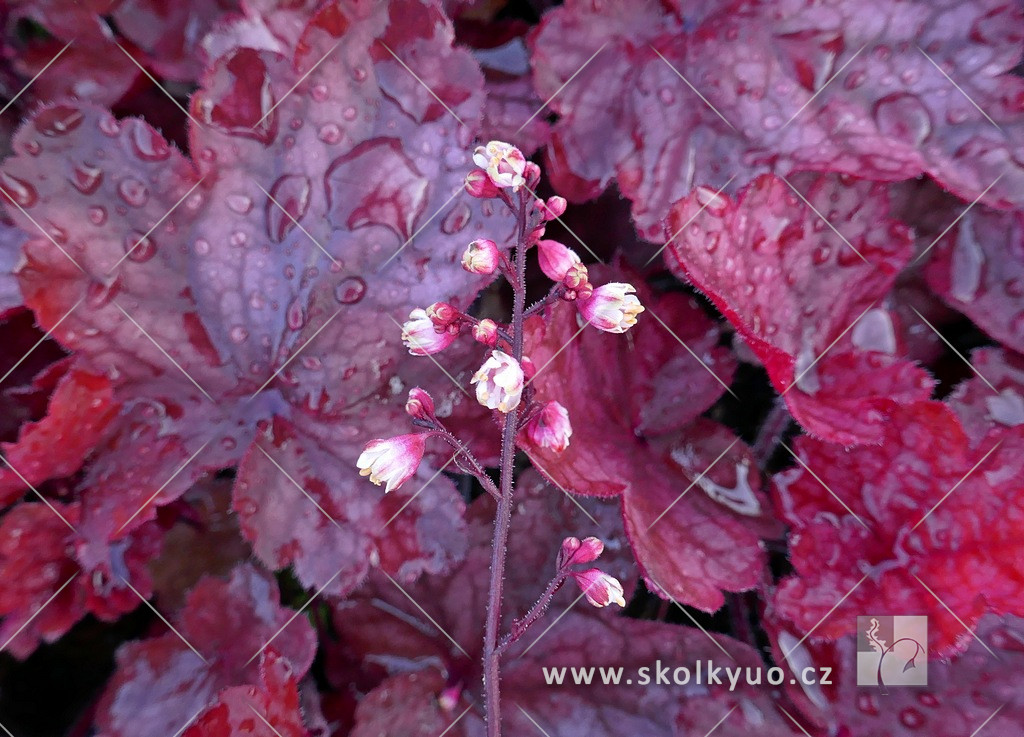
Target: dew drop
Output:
[(238, 239), (208, 155), (33, 147), (139, 247), (98, 294), (19, 190), (350, 290), (133, 191), (295, 123), (239, 203), (911, 717), (86, 178), (349, 113), (456, 219), (228, 443), (358, 74), (771, 122), (295, 315), (109, 126), (666, 96), (854, 79), (903, 117), (290, 192), (238, 334), (968, 261), (97, 215), (201, 247), (318, 92), (149, 145), (60, 120), (329, 133)]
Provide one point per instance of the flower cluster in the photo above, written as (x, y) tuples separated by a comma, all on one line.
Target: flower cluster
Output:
[(502, 381)]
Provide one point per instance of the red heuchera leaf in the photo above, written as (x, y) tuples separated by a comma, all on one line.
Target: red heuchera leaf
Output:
[(981, 686), (690, 544), (802, 297), (269, 709), (922, 509), (780, 86), (423, 664), (992, 399), (47, 592), (978, 269), (81, 408), (230, 623), (195, 294)]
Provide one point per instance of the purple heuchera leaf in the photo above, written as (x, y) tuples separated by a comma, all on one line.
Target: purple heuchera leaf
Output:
[(783, 86), (11, 240), (803, 282), (977, 267), (229, 623), (262, 279)]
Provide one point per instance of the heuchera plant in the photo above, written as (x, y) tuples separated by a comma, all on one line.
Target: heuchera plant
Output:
[(257, 256), (504, 383)]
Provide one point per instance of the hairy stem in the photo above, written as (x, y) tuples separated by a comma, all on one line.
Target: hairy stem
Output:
[(492, 693), (520, 626)]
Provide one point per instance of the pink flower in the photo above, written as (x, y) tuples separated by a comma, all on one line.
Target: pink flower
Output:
[(599, 588), (503, 162), (575, 551), (479, 185), (553, 208), (612, 307), (555, 259), (420, 405), (499, 382), (422, 337), (481, 257), (392, 461), (550, 427), (486, 332)]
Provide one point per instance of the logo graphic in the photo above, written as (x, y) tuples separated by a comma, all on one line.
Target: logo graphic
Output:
[(892, 651)]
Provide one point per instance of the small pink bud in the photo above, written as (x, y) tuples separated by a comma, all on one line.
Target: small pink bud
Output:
[(612, 307), (481, 257), (486, 332), (575, 551), (550, 427), (535, 235), (421, 337), (555, 259), (419, 405), (576, 276), (504, 163), (531, 174), (443, 315), (529, 367), (553, 208), (599, 588), (499, 382), (448, 699), (392, 461), (479, 185)]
